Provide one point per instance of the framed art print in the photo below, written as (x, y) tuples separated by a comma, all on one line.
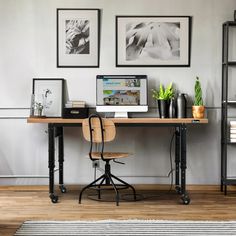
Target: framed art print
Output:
[(78, 32), (152, 41), (50, 94)]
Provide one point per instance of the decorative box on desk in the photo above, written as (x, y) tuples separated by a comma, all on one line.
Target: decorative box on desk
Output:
[(75, 112)]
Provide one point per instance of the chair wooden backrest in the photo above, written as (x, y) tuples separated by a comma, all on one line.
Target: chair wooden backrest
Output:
[(109, 130)]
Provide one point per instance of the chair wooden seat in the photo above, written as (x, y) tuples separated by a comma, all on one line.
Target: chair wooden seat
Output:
[(110, 155)]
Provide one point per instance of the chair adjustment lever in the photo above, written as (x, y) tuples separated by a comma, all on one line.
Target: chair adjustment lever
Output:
[(119, 162)]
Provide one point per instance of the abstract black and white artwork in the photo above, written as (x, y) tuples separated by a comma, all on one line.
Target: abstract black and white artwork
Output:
[(78, 37), (152, 41)]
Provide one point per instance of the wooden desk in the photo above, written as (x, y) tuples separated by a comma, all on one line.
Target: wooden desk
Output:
[(55, 129)]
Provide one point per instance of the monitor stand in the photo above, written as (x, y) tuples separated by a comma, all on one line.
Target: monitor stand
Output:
[(121, 114)]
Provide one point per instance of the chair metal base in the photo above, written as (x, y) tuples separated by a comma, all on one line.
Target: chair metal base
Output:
[(107, 180)]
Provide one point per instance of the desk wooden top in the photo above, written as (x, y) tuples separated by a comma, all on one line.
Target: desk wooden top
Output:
[(146, 120)]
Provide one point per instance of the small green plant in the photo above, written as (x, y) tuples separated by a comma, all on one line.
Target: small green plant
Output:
[(39, 105), (39, 108), (162, 93), (198, 93)]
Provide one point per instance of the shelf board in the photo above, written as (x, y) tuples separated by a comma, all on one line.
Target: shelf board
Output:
[(230, 102), (229, 117), (229, 181), (230, 63), (228, 143), (231, 143), (230, 23)]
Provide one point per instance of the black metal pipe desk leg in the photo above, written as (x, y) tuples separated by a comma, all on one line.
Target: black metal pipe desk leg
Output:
[(177, 160), (61, 158), (222, 167), (225, 169), (184, 197), (51, 162)]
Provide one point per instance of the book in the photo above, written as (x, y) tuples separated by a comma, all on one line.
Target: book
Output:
[(232, 131), (232, 123), (233, 136), (75, 104), (233, 140)]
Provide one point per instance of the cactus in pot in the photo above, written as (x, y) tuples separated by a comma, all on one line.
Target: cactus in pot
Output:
[(198, 108)]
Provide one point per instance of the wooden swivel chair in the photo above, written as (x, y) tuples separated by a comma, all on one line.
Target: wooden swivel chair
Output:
[(98, 130)]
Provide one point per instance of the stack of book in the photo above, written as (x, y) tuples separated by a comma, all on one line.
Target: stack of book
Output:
[(232, 131), (75, 104)]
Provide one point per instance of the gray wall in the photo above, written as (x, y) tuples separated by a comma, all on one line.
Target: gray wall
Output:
[(28, 50)]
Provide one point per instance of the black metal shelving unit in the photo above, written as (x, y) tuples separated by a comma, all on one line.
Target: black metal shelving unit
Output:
[(226, 104)]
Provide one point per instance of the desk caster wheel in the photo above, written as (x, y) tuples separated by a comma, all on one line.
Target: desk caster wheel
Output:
[(178, 189), (54, 198), (63, 189), (185, 199)]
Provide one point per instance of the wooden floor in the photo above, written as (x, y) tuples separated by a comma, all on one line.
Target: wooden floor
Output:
[(18, 204)]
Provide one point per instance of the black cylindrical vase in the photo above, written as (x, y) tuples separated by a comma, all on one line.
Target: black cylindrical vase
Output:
[(181, 106), (163, 106), (172, 108)]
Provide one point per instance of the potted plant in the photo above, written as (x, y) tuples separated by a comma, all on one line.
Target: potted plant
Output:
[(198, 108), (38, 109), (163, 97)]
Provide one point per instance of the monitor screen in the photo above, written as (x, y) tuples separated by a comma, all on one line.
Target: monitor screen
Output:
[(121, 94)]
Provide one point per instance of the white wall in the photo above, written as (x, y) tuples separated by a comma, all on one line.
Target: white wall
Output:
[(28, 50)]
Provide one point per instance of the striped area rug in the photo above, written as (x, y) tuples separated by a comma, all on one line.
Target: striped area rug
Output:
[(127, 227)]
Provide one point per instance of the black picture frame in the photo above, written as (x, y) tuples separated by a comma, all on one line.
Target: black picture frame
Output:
[(50, 92), (78, 37), (153, 41)]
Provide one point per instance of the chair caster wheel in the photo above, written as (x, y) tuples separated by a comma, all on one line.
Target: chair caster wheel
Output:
[(178, 189), (63, 189), (185, 199), (54, 198)]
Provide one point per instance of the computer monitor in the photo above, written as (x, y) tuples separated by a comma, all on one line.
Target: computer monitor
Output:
[(121, 94)]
